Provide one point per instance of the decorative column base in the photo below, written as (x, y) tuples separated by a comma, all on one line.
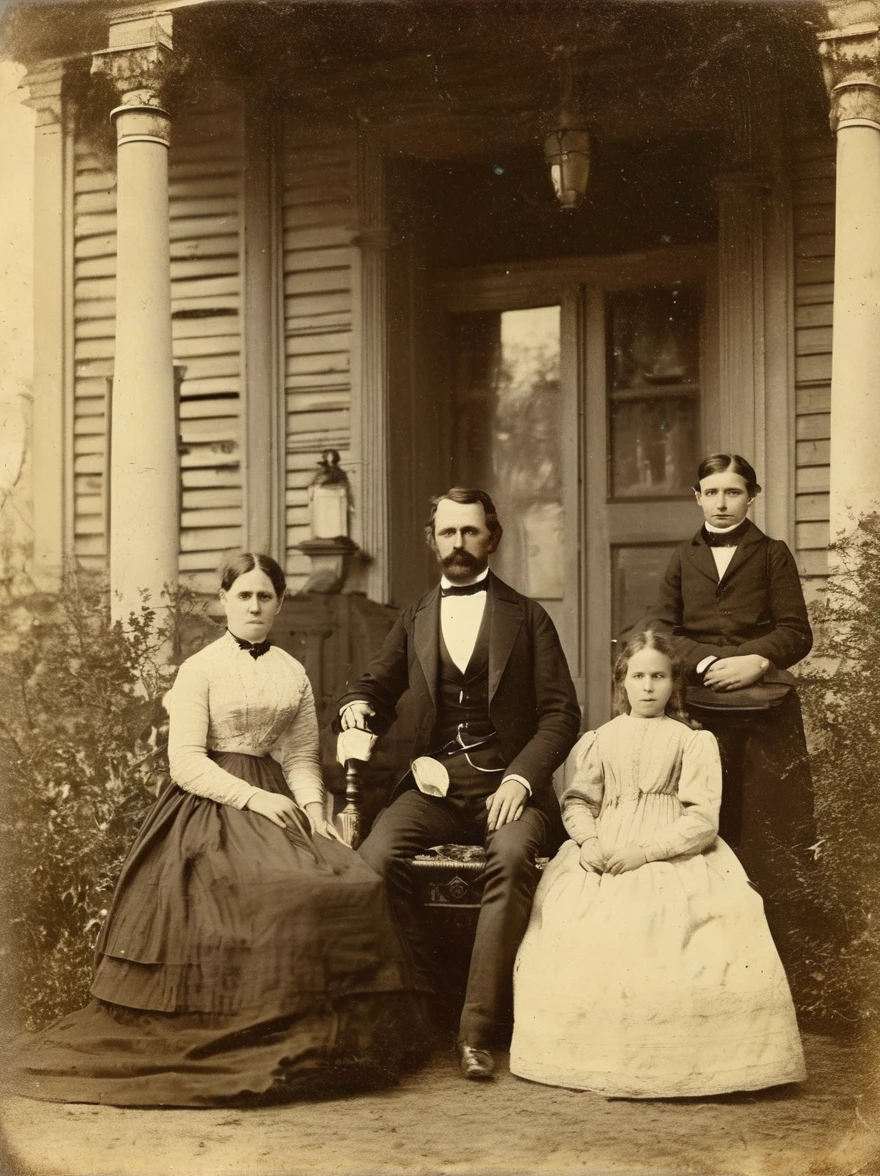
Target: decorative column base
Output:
[(331, 559)]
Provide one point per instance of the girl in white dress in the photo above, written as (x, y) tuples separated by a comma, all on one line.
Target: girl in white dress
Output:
[(648, 970)]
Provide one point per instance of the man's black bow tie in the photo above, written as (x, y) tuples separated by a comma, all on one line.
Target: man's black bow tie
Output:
[(254, 648), (464, 589), (725, 538)]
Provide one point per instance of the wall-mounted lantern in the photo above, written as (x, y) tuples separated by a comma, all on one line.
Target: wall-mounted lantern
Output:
[(567, 145), (330, 548), (329, 498)]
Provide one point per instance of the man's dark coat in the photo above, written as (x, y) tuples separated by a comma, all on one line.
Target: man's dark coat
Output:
[(532, 700)]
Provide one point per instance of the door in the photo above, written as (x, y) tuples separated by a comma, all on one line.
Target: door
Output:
[(576, 394)]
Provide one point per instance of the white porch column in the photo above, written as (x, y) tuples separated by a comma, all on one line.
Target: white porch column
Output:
[(144, 516), (851, 63)]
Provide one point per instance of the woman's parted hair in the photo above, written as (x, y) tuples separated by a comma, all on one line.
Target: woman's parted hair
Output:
[(465, 496), (648, 639), (245, 561), (720, 463)]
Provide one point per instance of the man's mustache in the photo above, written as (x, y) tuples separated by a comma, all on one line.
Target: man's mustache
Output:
[(462, 559)]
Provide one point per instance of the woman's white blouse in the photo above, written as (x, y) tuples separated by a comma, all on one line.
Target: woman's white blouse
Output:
[(225, 700)]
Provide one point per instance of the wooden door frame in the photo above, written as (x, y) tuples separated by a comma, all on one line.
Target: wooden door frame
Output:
[(579, 286)]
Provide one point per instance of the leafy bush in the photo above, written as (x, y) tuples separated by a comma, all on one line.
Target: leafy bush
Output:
[(841, 696), (82, 746)]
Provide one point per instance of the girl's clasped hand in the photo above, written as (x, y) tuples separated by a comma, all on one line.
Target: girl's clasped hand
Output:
[(619, 861)]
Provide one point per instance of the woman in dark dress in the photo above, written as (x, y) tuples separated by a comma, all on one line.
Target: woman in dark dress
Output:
[(732, 601), (248, 954)]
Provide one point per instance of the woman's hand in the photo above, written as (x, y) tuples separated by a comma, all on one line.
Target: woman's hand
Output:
[(621, 861), (280, 810), (592, 857), (320, 824), (733, 673)]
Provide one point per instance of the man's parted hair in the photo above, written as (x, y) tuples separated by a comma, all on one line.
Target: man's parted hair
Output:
[(464, 497)]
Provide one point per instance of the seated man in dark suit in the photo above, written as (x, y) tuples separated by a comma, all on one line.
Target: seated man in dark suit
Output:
[(496, 713)]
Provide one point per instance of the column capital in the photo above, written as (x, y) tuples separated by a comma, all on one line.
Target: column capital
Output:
[(850, 55), (139, 60), (45, 86)]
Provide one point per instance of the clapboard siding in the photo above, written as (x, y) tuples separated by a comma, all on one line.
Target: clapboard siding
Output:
[(813, 199), (94, 329), (205, 180), (317, 216), (205, 190)]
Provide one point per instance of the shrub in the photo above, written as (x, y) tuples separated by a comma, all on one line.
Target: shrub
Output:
[(82, 744), (841, 696)]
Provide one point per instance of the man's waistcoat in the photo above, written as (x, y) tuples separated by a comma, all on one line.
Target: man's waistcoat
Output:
[(462, 696)]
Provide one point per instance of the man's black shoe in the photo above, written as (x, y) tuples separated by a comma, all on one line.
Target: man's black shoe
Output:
[(476, 1064)]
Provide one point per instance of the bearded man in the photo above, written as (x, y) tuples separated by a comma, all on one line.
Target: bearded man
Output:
[(496, 713)]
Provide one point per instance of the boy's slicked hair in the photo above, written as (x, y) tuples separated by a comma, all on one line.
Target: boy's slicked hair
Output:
[(720, 463)]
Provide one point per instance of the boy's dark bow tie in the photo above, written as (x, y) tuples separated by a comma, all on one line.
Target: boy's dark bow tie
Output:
[(726, 538), (254, 648), (464, 589)]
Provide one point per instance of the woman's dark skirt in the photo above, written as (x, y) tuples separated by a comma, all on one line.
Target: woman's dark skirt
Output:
[(239, 962)]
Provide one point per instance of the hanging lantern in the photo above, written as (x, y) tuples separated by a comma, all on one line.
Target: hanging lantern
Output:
[(567, 152), (567, 145)]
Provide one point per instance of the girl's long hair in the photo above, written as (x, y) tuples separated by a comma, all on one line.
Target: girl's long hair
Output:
[(648, 639)]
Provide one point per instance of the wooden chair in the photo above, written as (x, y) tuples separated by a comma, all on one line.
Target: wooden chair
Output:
[(449, 876)]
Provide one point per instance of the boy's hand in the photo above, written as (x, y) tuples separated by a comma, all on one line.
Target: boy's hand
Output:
[(733, 673)]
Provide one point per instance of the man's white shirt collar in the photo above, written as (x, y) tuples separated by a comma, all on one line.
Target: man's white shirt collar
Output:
[(460, 620), (721, 555)]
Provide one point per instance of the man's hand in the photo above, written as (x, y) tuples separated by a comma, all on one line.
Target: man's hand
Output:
[(733, 673), (506, 804), (621, 861), (355, 714), (592, 857)]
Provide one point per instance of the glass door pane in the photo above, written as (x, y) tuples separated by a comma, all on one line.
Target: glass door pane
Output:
[(507, 436), (654, 391)]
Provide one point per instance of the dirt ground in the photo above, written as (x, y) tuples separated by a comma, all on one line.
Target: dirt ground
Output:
[(435, 1122)]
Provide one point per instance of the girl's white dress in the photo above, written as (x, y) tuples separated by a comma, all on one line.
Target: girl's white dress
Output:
[(663, 981)]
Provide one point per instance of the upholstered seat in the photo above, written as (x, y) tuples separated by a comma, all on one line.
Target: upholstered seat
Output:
[(448, 875)]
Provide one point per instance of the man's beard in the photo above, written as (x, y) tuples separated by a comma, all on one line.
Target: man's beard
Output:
[(461, 566)]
